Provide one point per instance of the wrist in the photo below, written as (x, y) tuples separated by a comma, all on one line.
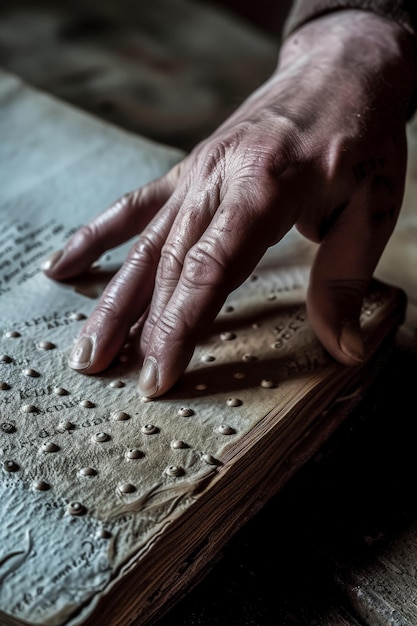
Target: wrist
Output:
[(359, 46)]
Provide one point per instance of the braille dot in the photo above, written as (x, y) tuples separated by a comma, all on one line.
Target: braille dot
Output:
[(209, 459), (77, 316), (267, 383), (49, 446), (4, 386), (271, 296), (46, 345), (229, 309), (29, 408), (149, 429), (76, 508), (30, 372), (116, 384), (174, 470), (227, 336), (145, 399), (249, 358), (185, 411), (11, 466), (233, 402), (87, 404), (41, 485), (60, 391), (12, 334), (134, 454), (201, 387), (177, 444), (7, 427), (120, 416), (224, 429), (126, 488), (101, 437), (208, 358), (256, 325), (87, 471), (253, 277), (102, 533), (5, 358), (66, 425), (239, 375)]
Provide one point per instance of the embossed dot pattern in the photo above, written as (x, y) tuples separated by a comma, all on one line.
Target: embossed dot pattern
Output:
[(116, 384), (87, 471), (29, 408), (11, 466), (29, 371), (76, 508), (126, 488), (120, 416), (185, 411), (134, 454), (99, 446), (41, 485), (13, 334), (46, 345), (174, 470), (87, 404)]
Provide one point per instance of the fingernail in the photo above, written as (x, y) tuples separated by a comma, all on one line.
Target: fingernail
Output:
[(149, 377), (52, 260), (350, 342), (80, 356)]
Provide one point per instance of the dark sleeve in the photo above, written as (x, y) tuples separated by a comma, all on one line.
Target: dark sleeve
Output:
[(404, 12)]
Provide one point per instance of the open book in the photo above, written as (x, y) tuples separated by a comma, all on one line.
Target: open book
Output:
[(112, 506)]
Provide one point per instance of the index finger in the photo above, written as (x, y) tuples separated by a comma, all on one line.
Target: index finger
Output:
[(118, 223), (222, 258)]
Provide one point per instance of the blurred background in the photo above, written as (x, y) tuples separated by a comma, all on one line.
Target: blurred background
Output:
[(171, 70)]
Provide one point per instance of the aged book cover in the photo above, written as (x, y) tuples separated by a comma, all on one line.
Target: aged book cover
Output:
[(112, 506)]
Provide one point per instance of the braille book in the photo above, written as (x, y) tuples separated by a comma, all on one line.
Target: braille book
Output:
[(112, 506)]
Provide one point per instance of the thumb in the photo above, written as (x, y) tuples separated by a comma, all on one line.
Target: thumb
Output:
[(341, 274)]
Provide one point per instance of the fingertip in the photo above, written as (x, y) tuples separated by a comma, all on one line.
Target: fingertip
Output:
[(50, 263), (81, 354), (351, 344), (149, 378), (337, 326)]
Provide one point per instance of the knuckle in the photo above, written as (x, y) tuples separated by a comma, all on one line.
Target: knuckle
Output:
[(107, 311), (88, 237), (204, 264), (144, 252), (173, 325), (170, 263), (347, 290)]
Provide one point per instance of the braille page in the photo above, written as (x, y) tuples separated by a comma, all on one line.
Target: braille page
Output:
[(110, 504)]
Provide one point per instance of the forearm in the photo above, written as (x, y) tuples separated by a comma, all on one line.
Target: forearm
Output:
[(403, 12), (381, 43)]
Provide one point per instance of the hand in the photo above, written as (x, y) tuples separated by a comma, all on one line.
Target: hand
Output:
[(321, 145)]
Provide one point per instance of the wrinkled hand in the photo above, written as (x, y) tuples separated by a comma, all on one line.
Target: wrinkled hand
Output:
[(321, 145)]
